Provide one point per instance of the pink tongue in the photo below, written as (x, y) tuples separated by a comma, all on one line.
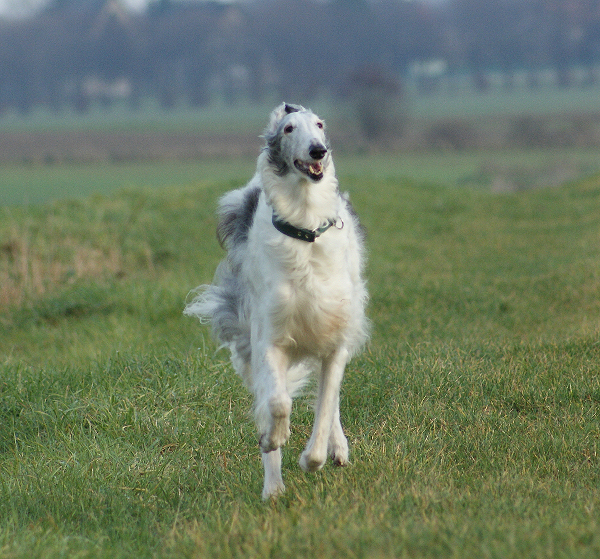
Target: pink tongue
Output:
[(315, 168)]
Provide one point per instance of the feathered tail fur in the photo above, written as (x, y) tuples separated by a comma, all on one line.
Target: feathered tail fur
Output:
[(222, 303)]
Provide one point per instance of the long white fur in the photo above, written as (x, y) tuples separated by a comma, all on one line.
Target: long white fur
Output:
[(298, 307)]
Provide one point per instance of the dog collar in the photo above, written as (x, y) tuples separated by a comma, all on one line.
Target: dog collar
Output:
[(308, 235)]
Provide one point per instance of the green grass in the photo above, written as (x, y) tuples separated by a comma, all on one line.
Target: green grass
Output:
[(500, 101), (516, 169), (473, 416), (36, 184)]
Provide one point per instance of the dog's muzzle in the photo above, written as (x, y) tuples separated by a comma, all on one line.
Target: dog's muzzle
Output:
[(315, 168)]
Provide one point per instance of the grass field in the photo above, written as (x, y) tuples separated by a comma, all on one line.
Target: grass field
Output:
[(480, 169), (473, 416)]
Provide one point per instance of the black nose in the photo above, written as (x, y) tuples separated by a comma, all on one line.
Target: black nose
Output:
[(317, 151)]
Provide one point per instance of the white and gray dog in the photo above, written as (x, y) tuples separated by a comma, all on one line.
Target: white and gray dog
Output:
[(290, 297)]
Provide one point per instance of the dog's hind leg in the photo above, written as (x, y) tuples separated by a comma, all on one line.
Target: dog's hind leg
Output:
[(327, 429), (273, 485), (273, 404)]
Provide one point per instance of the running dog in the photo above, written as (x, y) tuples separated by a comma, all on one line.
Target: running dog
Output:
[(289, 299)]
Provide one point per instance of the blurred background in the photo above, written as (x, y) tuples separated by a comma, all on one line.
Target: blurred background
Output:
[(180, 80)]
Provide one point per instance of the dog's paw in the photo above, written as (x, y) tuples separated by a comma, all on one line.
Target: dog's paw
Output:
[(340, 458), (278, 430), (338, 450), (273, 490), (277, 436), (269, 442), (311, 462)]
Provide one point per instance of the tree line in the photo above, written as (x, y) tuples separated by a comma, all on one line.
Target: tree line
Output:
[(77, 52)]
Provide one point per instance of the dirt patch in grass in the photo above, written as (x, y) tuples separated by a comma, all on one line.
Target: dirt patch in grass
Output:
[(65, 146), (73, 145)]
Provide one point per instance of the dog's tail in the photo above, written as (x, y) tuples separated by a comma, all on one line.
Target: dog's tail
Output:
[(220, 305)]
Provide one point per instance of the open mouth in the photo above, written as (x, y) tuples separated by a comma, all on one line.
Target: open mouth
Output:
[(313, 170)]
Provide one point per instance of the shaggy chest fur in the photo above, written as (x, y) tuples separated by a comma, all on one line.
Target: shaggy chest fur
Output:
[(311, 310)]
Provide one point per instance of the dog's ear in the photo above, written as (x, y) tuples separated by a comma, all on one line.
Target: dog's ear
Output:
[(293, 108), (278, 113)]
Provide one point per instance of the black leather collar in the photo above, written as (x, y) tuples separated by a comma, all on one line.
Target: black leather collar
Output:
[(307, 235)]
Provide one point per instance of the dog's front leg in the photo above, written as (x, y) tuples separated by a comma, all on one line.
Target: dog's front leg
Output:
[(273, 404), (273, 407), (327, 429), (273, 484)]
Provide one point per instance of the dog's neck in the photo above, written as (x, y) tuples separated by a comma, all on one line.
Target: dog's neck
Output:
[(300, 201)]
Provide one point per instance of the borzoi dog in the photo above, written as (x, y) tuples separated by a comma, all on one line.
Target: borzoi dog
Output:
[(289, 299)]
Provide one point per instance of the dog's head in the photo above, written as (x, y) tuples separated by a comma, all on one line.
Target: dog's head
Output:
[(296, 142)]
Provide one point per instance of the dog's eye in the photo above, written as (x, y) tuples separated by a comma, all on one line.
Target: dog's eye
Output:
[(289, 128), (320, 125)]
